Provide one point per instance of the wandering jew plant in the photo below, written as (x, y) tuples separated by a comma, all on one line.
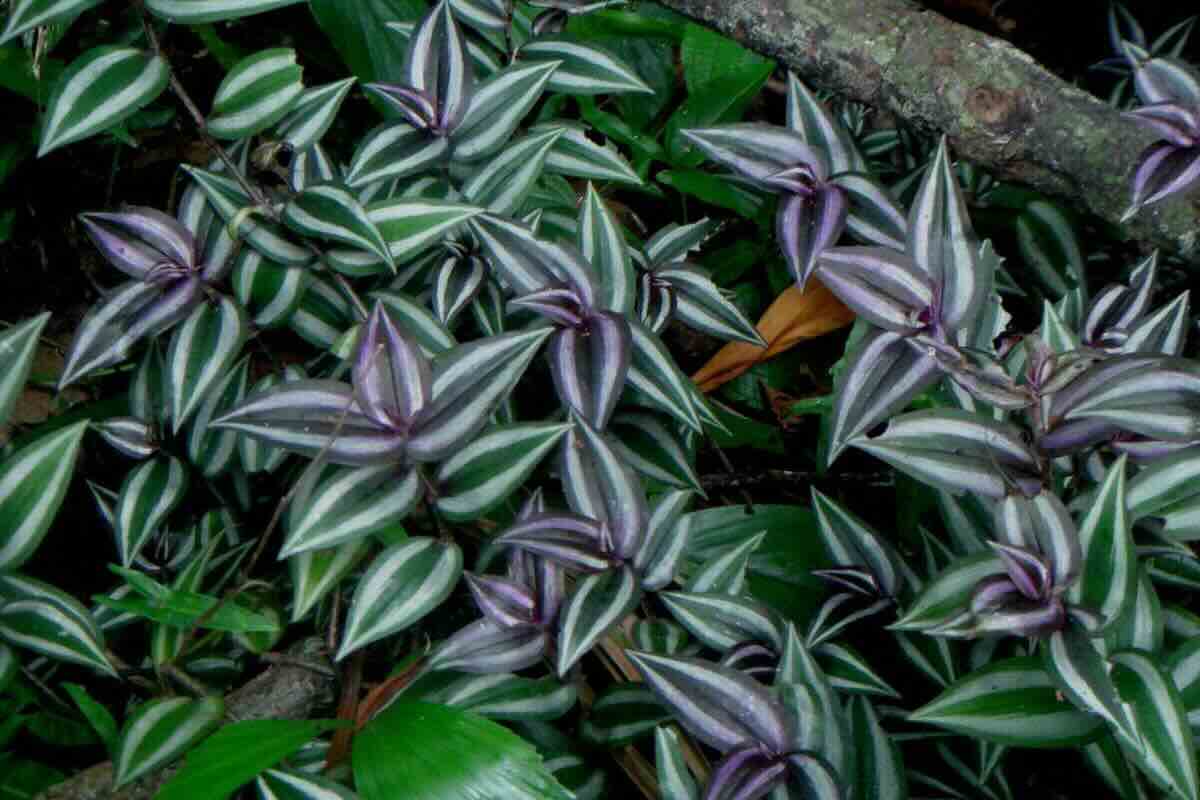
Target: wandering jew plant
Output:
[(393, 393)]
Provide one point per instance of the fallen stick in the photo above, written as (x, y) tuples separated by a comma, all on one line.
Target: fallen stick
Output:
[(1000, 109)]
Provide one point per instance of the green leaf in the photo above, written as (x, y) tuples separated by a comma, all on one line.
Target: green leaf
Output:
[(149, 493), (504, 696), (270, 291), (258, 92), (584, 69), (504, 181), (231, 202), (359, 33), (33, 483), (403, 584), (17, 347), (285, 784), (160, 731), (446, 754), (315, 573), (236, 753), (496, 109), (675, 782), (203, 348), (194, 12), (1164, 748), (183, 609), (312, 114), (879, 770), (104, 86), (25, 15), (598, 603), (577, 156), (334, 505), (716, 190), (332, 213), (486, 471), (1080, 671), (602, 243), (1050, 246), (654, 450), (1108, 581), (55, 626), (621, 714), (948, 595), (1012, 702), (97, 715), (410, 226)]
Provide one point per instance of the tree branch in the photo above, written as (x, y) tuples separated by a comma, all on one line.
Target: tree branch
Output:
[(288, 690), (1000, 109)]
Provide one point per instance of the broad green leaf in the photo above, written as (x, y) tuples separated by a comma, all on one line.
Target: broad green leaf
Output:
[(184, 609), (202, 350), (1164, 748), (1108, 581), (33, 483), (598, 603), (447, 754), (402, 585), (103, 87), (17, 347), (97, 715), (483, 474), (25, 15), (336, 505), (584, 69), (160, 731), (149, 493), (1012, 701), (258, 92), (359, 33), (238, 752)]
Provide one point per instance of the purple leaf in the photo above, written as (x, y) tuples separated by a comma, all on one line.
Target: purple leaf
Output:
[(598, 484), (758, 151), (806, 225), (1167, 80), (504, 602), (485, 649), (874, 216), (1178, 125), (883, 286), (416, 106), (1025, 569), (438, 64), (574, 541), (142, 242), (392, 378), (746, 773), (1163, 170), (992, 593)]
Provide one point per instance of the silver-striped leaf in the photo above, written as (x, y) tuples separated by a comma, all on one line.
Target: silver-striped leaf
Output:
[(654, 373), (323, 315), (255, 455), (25, 15), (270, 291), (675, 782), (722, 621), (599, 485), (878, 767), (410, 226), (49, 622), (699, 304), (258, 92), (489, 469), (315, 573), (149, 493), (161, 731), (33, 483), (198, 12), (1108, 580), (104, 86), (403, 584), (577, 156), (497, 108), (201, 352), (507, 697), (332, 213), (293, 784), (584, 69), (393, 150), (653, 450), (602, 243), (599, 602), (17, 347), (621, 714), (502, 183), (215, 450), (312, 114), (336, 505)]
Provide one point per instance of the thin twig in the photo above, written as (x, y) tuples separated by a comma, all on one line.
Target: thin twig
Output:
[(791, 477)]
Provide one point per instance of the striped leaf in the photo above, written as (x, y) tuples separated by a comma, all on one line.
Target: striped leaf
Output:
[(286, 784), (258, 92), (664, 541), (504, 181), (497, 108), (675, 782), (598, 603), (9, 666), (104, 86), (469, 382), (254, 455), (197, 12), (1163, 746), (849, 672), (722, 621), (809, 117), (25, 15), (487, 471), (584, 69), (51, 623), (459, 281), (129, 436), (403, 584), (851, 542), (410, 226), (160, 731), (17, 347), (621, 714), (659, 636), (721, 707), (214, 450), (599, 485), (312, 114), (33, 483), (394, 150), (323, 315), (602, 243), (483, 15), (167, 640), (701, 305), (229, 201), (315, 573), (948, 595), (332, 213), (415, 319), (1164, 486), (653, 450), (878, 767), (1107, 582), (486, 648), (589, 363), (653, 372), (1080, 671), (1013, 701), (505, 696), (725, 570), (271, 292), (149, 493), (336, 505), (1140, 626), (528, 263), (201, 352), (577, 156)]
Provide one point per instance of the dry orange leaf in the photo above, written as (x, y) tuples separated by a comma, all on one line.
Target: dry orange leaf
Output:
[(794, 317)]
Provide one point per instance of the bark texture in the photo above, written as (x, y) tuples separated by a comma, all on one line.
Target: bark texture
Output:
[(1000, 108), (283, 691)]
